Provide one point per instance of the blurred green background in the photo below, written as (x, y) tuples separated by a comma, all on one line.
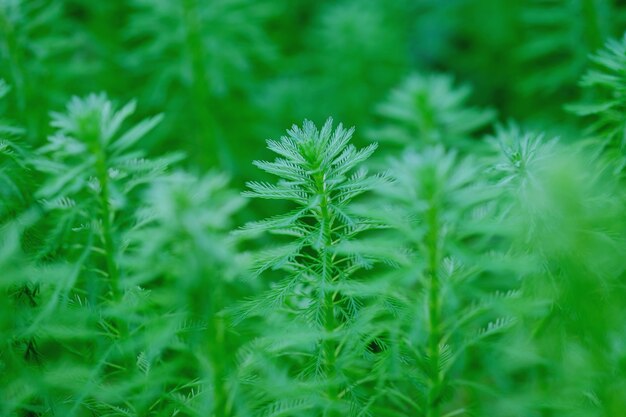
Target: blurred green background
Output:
[(228, 74)]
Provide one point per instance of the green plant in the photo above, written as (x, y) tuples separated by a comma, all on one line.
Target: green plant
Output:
[(322, 327), (564, 43), (198, 41), (566, 229), (180, 241), (38, 47), (91, 172), (604, 110), (480, 273), (430, 110), (14, 171)]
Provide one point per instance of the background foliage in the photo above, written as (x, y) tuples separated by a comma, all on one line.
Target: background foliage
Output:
[(461, 253)]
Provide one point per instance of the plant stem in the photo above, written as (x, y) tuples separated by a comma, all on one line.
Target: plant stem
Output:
[(107, 219), (593, 32), (330, 324), (217, 343), (10, 48), (434, 313), (213, 151)]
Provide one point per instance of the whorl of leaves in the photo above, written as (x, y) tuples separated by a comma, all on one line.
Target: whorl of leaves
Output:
[(430, 110), (92, 168)]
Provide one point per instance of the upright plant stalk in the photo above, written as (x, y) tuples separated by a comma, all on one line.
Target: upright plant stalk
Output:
[(327, 280), (200, 87), (107, 217), (28, 45), (215, 151), (434, 312), (80, 160), (10, 46), (593, 28), (219, 353), (317, 172), (186, 258), (215, 339), (436, 196)]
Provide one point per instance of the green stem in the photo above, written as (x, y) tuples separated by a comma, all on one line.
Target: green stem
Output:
[(593, 32), (330, 324), (209, 343), (107, 219), (220, 356), (434, 313), (217, 343), (213, 151), (11, 50)]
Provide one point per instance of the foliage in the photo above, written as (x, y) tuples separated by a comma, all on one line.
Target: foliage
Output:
[(321, 296), (13, 165), (198, 43), (606, 82), (565, 213), (440, 208), (432, 110), (461, 257)]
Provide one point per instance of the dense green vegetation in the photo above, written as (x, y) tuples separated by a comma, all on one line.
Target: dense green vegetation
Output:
[(461, 252)]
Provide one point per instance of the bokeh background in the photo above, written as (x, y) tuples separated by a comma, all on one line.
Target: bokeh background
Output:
[(229, 74)]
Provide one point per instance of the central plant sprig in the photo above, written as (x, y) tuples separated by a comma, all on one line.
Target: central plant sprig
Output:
[(92, 166), (317, 170)]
